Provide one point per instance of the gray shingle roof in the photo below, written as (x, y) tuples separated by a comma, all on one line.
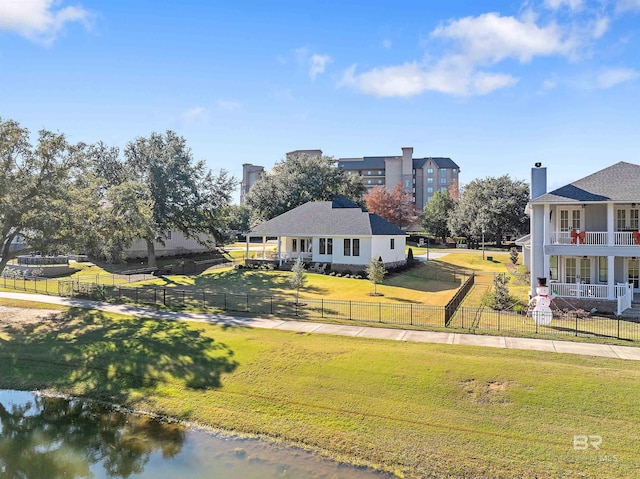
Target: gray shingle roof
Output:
[(339, 217), (367, 163), (619, 182), (377, 162)]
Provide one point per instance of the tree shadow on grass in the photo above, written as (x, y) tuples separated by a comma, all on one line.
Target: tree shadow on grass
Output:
[(90, 353)]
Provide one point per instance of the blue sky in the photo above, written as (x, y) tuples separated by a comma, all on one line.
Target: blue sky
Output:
[(495, 85)]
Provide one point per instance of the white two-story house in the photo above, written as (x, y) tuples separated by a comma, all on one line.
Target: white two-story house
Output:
[(585, 237)]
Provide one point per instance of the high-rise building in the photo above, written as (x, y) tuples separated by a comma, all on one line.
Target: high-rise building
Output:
[(250, 174), (422, 177)]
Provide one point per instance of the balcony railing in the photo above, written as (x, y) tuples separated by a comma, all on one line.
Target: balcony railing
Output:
[(593, 291), (621, 238), (575, 290)]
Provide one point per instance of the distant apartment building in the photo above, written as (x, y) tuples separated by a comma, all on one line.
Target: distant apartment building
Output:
[(250, 174), (309, 153), (420, 176)]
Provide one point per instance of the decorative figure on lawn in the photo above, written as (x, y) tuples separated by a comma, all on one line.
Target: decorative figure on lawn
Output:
[(541, 313)]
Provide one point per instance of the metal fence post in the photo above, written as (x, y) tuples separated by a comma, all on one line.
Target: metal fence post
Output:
[(271, 306), (225, 302), (155, 295), (349, 309), (379, 312), (499, 320), (204, 299), (164, 296), (411, 314), (576, 325), (184, 293)]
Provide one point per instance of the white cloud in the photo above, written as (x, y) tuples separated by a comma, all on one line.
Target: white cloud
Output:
[(483, 83), (600, 27), (614, 76), (627, 6), (318, 64), (450, 76), (194, 114), (229, 105), (38, 20), (477, 43), (548, 85), (556, 4), (491, 38)]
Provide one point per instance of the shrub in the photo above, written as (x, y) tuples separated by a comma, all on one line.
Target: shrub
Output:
[(513, 255)]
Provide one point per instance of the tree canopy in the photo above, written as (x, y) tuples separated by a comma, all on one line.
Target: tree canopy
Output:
[(183, 194), (495, 205), (297, 180), (396, 206), (435, 216), (43, 190), (86, 198)]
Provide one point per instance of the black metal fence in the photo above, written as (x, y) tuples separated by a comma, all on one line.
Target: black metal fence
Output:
[(571, 323), (462, 319), (452, 306), (282, 306)]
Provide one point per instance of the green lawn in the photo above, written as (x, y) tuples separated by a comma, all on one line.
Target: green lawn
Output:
[(415, 409), (432, 284)]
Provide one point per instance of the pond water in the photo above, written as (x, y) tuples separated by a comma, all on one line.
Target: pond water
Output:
[(56, 438)]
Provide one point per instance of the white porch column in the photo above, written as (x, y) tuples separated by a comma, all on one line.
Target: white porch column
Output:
[(547, 240), (537, 267), (611, 234), (279, 251), (611, 283), (246, 254), (264, 246)]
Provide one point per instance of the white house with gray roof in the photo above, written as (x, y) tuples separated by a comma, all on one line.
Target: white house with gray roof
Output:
[(585, 237), (338, 233)]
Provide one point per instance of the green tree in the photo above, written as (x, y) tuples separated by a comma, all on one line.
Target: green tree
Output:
[(502, 298), (298, 277), (435, 216), (495, 205), (239, 218), (375, 273), (297, 180), (184, 195), (513, 255), (40, 190)]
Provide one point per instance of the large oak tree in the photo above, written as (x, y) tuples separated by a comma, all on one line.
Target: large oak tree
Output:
[(495, 205), (297, 180), (44, 191), (184, 196)]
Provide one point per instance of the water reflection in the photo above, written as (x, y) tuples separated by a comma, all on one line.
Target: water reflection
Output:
[(60, 438), (54, 438)]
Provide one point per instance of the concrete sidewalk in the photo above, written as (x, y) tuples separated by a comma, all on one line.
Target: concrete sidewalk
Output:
[(567, 347)]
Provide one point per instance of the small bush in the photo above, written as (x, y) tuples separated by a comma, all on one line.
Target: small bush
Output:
[(513, 255)]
